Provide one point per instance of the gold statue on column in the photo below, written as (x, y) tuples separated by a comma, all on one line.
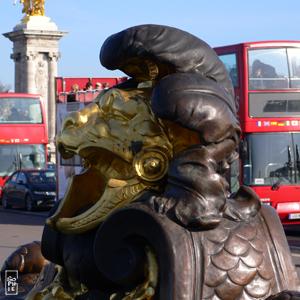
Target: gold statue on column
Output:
[(32, 8)]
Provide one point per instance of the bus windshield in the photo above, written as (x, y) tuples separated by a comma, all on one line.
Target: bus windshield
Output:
[(274, 68), (14, 157), (20, 111), (270, 158)]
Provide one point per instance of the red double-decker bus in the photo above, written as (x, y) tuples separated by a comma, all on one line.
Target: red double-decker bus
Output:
[(266, 79), (23, 133)]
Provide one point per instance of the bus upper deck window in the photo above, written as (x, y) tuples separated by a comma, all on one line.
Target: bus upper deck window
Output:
[(268, 69), (230, 63)]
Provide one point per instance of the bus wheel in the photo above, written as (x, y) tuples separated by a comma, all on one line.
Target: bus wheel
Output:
[(28, 203), (5, 204)]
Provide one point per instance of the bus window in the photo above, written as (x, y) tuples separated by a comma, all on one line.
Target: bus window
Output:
[(20, 110), (264, 105), (296, 140), (14, 157), (294, 65), (32, 156), (234, 176), (268, 69), (271, 158), (229, 60), (35, 115)]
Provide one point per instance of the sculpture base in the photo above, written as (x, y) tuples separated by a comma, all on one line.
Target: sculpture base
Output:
[(36, 23)]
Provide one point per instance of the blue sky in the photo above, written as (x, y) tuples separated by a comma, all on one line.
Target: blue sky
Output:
[(89, 23)]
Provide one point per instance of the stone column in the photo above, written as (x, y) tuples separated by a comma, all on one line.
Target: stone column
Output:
[(17, 59), (30, 71), (52, 61)]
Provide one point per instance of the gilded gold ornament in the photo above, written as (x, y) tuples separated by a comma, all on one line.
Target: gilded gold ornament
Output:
[(125, 149), (151, 164), (32, 8)]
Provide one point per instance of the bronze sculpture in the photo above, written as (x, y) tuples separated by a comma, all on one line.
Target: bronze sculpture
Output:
[(151, 216), (32, 8)]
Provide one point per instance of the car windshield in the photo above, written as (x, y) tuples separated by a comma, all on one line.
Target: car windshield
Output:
[(39, 177)]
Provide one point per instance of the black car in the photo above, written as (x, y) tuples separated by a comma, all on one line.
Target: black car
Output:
[(30, 189)]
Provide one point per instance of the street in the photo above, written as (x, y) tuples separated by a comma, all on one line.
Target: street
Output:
[(19, 227)]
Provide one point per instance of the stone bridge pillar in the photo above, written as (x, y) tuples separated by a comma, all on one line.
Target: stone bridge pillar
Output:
[(36, 54)]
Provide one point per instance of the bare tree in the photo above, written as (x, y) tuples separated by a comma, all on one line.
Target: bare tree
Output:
[(4, 87)]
